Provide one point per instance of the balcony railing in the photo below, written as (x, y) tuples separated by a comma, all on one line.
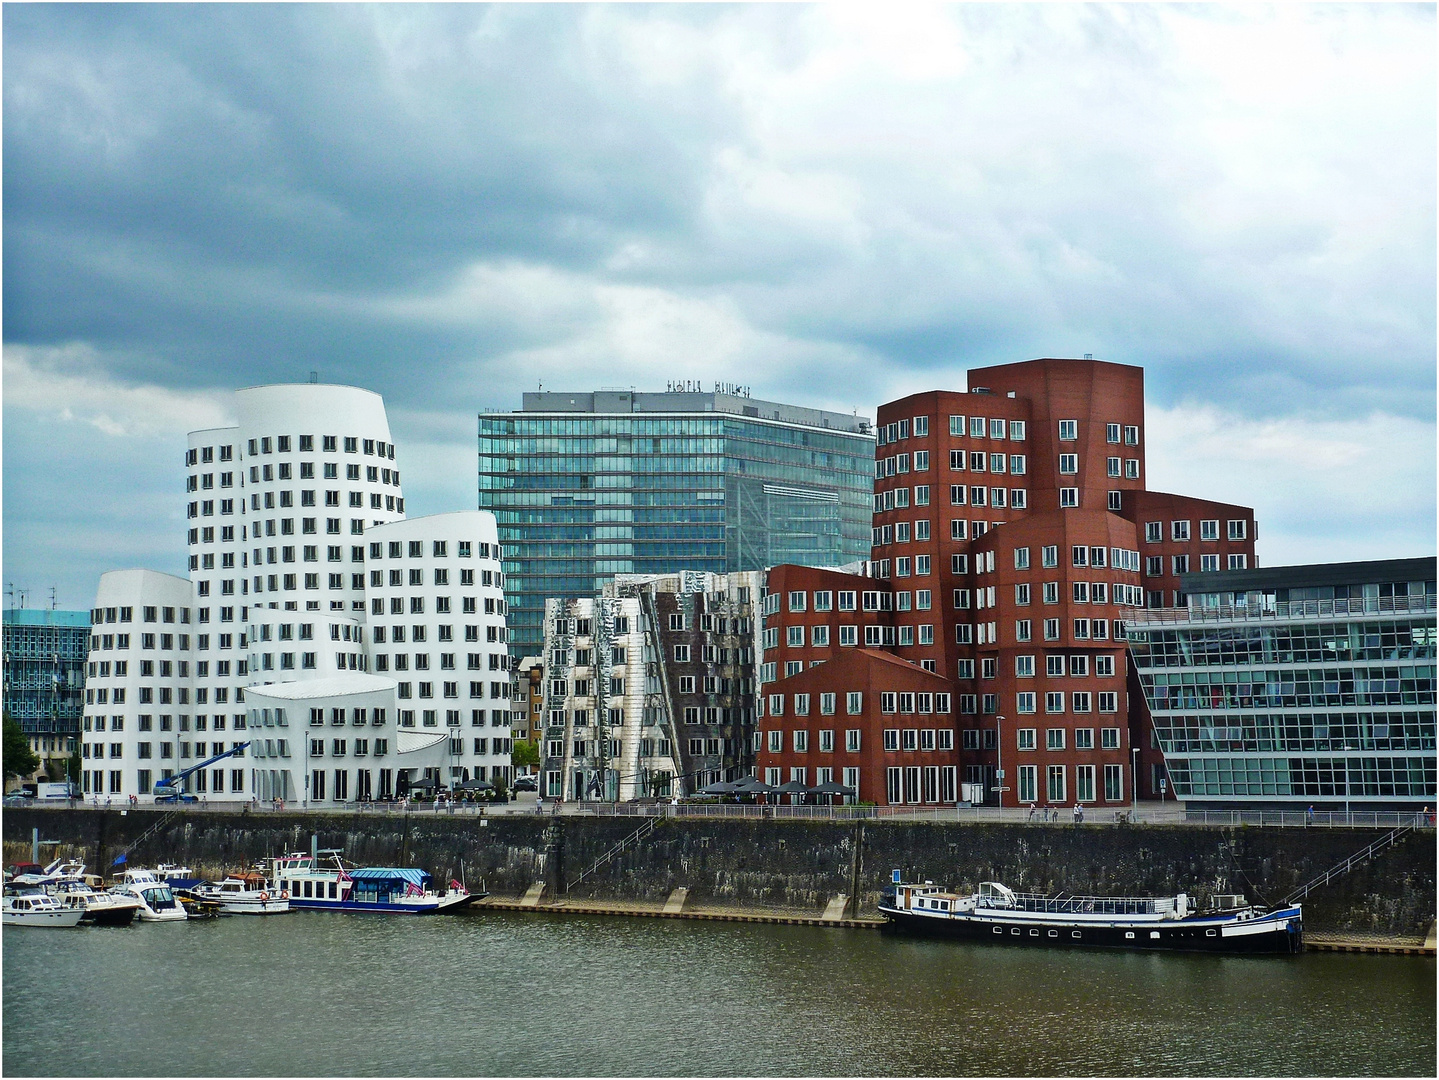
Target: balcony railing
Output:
[(1286, 609)]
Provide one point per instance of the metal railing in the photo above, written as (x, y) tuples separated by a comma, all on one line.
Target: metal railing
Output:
[(1342, 868), (1159, 814), (1287, 609)]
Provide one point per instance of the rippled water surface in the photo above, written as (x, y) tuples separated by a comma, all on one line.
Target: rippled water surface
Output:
[(315, 994)]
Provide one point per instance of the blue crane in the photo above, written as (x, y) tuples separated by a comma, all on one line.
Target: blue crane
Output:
[(167, 789)]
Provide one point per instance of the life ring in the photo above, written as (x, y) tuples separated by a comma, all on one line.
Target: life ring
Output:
[(284, 894), (264, 898)]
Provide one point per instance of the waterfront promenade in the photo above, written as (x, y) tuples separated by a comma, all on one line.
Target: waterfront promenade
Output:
[(526, 805)]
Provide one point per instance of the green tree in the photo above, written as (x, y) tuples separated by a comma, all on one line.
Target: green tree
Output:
[(20, 760), (72, 766), (524, 754)]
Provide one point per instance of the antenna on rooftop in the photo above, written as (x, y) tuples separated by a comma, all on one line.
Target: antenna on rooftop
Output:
[(54, 600), (314, 377), (1089, 356)]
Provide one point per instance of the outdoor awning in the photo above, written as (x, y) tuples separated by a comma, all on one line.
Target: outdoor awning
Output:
[(391, 873)]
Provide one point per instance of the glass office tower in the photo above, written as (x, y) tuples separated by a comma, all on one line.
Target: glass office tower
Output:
[(589, 485), (1301, 683)]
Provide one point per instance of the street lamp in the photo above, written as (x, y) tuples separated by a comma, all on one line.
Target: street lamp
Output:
[(999, 758), (1134, 778)]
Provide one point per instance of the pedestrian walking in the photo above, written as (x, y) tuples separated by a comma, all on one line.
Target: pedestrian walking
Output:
[(1309, 816)]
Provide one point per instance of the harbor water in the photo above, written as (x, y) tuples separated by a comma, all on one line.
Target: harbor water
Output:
[(506, 994)]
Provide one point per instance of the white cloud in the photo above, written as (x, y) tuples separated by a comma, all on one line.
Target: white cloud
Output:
[(1323, 490), (70, 383)]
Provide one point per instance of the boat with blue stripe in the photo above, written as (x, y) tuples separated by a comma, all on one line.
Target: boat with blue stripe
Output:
[(323, 881), (998, 915)]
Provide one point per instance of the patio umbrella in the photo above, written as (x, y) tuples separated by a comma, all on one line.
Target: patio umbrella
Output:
[(831, 788), (720, 787), (794, 787), (761, 788)]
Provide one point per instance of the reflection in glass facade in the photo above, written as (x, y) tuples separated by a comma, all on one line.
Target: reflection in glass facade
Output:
[(1299, 683), (45, 654), (586, 486)]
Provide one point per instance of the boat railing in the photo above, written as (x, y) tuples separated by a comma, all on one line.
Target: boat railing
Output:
[(1092, 905)]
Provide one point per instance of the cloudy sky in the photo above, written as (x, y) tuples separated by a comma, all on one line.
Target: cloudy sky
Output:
[(837, 205)]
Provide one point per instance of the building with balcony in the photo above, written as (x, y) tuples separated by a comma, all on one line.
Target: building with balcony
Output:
[(45, 652), (586, 486), (1310, 684)]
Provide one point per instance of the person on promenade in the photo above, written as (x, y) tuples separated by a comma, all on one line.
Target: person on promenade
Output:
[(1309, 816)]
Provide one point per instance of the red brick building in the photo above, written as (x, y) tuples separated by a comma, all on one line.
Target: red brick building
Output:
[(1012, 533)]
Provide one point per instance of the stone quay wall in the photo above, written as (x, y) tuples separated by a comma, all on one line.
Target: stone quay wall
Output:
[(767, 865)]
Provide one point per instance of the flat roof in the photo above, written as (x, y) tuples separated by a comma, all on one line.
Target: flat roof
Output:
[(46, 617), (626, 402), (1308, 576)]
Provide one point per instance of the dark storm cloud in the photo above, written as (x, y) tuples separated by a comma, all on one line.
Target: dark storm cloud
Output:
[(449, 204)]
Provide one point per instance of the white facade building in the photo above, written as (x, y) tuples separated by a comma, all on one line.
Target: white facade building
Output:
[(299, 556)]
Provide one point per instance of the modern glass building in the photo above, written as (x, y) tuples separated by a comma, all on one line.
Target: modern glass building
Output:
[(589, 485), (45, 676), (1297, 683)]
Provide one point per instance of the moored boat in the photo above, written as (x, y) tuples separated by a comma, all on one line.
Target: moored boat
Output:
[(97, 908), (997, 914), (158, 902), (37, 909), (244, 894), (326, 883)]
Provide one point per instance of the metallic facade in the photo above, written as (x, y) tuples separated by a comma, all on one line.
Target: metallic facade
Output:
[(45, 676)]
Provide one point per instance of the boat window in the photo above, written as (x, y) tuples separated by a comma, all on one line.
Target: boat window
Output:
[(1054, 933), (308, 886), (1000, 930), (1211, 933), (334, 890), (1074, 933)]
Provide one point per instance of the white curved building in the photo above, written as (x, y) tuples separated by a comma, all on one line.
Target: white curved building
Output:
[(293, 518)]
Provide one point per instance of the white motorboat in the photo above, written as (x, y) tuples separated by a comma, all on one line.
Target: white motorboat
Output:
[(98, 908), (247, 894), (171, 872), (37, 909), (158, 902), (59, 870)]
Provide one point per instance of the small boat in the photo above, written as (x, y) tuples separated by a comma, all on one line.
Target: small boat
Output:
[(97, 908), (324, 882), (37, 909), (997, 914), (158, 902), (59, 870), (244, 894)]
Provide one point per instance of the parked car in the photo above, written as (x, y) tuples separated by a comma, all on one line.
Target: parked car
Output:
[(525, 783)]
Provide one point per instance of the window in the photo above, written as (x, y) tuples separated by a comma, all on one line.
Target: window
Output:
[(1022, 630), (1208, 563), (1024, 667), (1051, 629), (1051, 592), (1181, 564), (1238, 562), (1079, 701), (1109, 738), (852, 740), (921, 426), (801, 742), (1238, 529), (1054, 783), (1026, 787), (1054, 701), (1154, 565), (1068, 464), (1179, 530), (1131, 435), (1068, 430), (1049, 555), (1111, 433), (1025, 739), (1084, 738), (1068, 497), (1114, 783), (1054, 738), (956, 425), (1104, 664), (1153, 532), (891, 739), (682, 653), (1112, 466)]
